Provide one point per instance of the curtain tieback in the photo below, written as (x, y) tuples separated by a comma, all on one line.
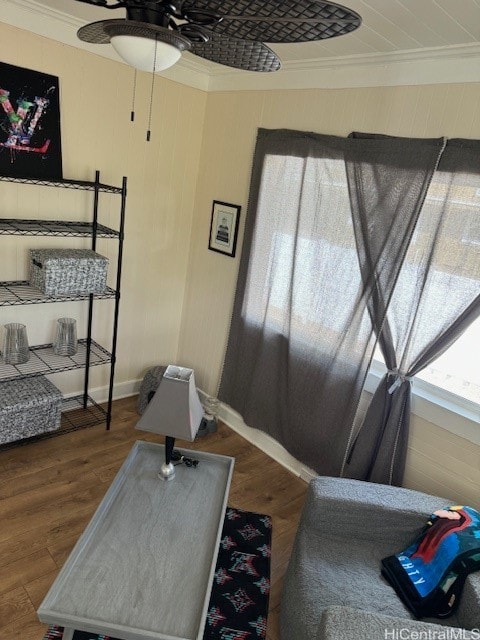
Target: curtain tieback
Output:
[(399, 379)]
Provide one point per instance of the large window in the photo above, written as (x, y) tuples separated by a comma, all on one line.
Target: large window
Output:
[(458, 369), (292, 256), (347, 238), (330, 240)]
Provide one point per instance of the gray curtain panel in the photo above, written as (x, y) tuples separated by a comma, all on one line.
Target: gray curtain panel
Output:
[(435, 299), (302, 334)]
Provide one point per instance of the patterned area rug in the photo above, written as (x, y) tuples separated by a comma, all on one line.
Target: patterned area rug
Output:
[(241, 585)]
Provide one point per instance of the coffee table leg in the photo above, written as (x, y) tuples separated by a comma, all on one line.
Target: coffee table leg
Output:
[(68, 633)]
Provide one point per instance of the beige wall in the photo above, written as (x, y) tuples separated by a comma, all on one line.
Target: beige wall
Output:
[(96, 96), (231, 123), (435, 462), (443, 463)]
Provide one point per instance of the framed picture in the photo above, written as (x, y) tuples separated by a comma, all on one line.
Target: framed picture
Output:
[(224, 227), (30, 145)]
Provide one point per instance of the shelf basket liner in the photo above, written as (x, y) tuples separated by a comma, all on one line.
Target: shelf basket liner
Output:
[(28, 407), (59, 272)]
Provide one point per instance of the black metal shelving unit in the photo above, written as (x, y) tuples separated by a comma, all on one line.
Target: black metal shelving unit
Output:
[(20, 292), (80, 411), (43, 361), (10, 226)]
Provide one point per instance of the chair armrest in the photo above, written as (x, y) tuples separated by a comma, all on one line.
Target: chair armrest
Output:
[(346, 623), (355, 509), (469, 608)]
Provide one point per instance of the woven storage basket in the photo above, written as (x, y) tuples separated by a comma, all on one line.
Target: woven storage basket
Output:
[(28, 407), (58, 272)]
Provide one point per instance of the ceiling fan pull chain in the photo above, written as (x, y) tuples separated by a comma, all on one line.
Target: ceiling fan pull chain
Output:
[(151, 90), (132, 113)]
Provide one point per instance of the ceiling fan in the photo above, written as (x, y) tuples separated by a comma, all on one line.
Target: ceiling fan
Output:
[(154, 33)]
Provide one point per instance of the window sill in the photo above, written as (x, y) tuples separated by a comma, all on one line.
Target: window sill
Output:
[(442, 408)]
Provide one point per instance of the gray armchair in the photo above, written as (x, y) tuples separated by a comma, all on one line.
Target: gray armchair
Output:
[(333, 587)]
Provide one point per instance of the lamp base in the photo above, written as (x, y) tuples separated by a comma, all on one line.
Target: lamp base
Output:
[(167, 471)]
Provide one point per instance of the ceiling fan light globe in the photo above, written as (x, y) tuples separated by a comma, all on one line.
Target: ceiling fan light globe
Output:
[(139, 52)]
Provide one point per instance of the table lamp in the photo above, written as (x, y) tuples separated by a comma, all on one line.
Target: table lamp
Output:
[(174, 411)]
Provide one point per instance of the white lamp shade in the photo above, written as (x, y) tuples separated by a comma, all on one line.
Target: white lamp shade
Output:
[(175, 410), (139, 52)]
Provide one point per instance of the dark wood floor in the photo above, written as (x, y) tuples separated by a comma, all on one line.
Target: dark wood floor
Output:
[(50, 489)]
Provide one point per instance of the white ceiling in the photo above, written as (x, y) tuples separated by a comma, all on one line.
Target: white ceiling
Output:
[(399, 42)]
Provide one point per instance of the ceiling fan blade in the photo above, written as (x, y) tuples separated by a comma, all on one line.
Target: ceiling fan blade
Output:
[(278, 21), (102, 31), (94, 32), (240, 54)]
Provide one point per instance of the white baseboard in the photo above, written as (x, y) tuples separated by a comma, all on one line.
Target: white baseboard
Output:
[(263, 441), (231, 418), (120, 390)]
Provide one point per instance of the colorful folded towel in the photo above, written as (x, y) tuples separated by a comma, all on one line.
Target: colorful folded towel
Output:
[(429, 575)]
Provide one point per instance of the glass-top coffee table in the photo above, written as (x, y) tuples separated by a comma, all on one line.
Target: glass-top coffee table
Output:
[(143, 568)]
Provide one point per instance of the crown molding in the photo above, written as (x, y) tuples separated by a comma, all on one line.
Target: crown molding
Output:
[(36, 10), (440, 65), (453, 52)]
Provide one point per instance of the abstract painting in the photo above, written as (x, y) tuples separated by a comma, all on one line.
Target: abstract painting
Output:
[(30, 143)]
